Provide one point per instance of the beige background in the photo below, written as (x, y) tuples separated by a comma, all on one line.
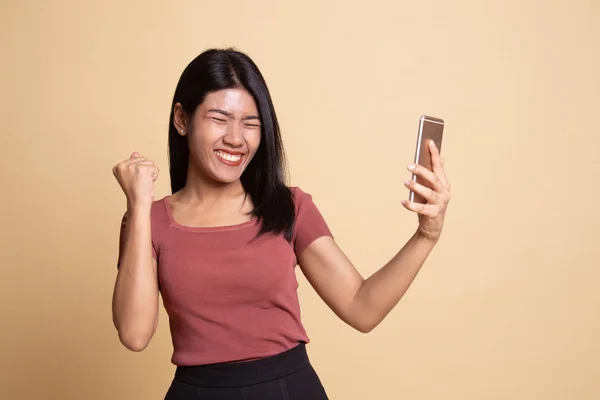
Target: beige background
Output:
[(507, 306)]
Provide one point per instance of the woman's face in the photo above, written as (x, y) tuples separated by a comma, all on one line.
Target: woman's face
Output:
[(224, 134)]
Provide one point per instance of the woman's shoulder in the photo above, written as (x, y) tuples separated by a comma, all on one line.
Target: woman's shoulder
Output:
[(302, 199), (298, 195), (297, 191), (158, 210), (160, 202)]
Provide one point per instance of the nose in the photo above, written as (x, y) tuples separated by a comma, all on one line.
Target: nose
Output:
[(234, 136)]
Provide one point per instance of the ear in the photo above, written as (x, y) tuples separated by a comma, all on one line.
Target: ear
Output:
[(180, 119)]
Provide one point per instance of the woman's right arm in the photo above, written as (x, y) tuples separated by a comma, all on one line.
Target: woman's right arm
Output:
[(135, 296)]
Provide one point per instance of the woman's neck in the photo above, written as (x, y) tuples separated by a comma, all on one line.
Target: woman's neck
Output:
[(202, 191)]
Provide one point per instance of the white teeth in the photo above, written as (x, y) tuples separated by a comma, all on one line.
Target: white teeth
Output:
[(227, 156)]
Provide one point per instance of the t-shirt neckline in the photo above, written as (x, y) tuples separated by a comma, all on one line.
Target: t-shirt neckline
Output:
[(175, 224)]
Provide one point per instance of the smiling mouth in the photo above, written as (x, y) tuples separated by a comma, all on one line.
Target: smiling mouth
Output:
[(228, 158)]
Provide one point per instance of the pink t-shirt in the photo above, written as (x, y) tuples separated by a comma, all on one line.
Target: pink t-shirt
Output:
[(229, 295)]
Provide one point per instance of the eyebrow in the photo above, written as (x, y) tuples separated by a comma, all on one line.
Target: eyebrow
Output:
[(230, 115)]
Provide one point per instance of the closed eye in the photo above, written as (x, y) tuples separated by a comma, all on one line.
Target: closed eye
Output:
[(218, 119)]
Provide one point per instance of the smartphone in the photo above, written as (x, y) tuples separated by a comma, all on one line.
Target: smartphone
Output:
[(430, 128)]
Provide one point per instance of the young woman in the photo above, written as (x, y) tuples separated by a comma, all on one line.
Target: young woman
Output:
[(222, 249)]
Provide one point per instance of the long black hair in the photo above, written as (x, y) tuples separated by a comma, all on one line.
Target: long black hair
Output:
[(263, 179)]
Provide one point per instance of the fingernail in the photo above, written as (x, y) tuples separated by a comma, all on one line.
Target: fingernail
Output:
[(406, 183), (411, 166), (433, 143)]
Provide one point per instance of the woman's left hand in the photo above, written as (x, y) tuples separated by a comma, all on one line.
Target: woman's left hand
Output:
[(436, 193)]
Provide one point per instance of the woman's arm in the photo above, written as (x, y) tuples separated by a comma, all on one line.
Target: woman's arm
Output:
[(361, 303), (135, 297)]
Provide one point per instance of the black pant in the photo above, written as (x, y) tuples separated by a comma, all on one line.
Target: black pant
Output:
[(285, 376)]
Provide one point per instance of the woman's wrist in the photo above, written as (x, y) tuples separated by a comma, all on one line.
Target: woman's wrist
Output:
[(426, 239)]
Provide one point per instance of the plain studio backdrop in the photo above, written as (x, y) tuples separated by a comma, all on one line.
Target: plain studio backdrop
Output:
[(506, 307)]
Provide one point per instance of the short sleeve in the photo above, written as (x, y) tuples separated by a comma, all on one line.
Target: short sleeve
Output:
[(310, 224), (122, 236)]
